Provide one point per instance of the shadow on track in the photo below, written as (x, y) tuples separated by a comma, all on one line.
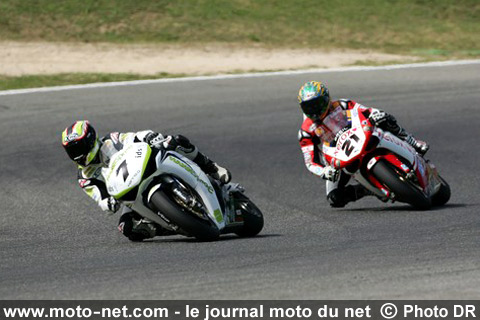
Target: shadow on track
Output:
[(406, 207), (228, 237)]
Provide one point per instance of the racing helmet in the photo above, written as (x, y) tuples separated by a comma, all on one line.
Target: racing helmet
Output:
[(314, 100), (80, 142)]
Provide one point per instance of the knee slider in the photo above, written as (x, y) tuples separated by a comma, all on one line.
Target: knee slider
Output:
[(125, 225), (336, 198)]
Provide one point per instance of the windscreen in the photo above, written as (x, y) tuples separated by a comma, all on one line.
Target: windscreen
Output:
[(333, 124)]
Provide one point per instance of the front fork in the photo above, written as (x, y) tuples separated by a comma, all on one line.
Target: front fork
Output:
[(233, 212)]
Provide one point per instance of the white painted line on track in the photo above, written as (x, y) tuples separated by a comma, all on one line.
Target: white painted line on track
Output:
[(237, 76)]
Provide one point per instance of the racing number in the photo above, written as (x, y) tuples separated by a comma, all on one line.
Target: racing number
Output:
[(347, 145), (123, 167)]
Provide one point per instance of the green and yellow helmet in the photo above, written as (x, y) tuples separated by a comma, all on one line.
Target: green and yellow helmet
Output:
[(314, 100), (80, 142)]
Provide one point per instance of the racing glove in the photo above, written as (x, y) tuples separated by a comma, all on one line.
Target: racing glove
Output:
[(109, 205), (154, 139), (330, 174), (378, 117)]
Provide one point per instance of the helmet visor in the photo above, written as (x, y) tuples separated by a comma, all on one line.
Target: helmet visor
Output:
[(316, 109), (78, 150)]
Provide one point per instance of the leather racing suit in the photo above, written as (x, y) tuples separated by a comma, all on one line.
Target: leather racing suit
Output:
[(338, 193)]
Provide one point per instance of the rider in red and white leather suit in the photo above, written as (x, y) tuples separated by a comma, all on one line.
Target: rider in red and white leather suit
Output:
[(315, 102)]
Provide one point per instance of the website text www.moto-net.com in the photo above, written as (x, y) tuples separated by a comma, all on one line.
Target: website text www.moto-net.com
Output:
[(81, 312), (223, 309)]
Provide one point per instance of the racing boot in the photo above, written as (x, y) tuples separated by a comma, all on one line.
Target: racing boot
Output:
[(147, 229), (136, 228), (211, 168), (420, 146), (221, 174), (361, 191), (339, 197)]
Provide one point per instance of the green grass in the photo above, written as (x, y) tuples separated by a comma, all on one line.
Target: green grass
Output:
[(35, 81), (427, 27), (432, 29)]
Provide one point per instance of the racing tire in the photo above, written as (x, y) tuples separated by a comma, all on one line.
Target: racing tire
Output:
[(252, 217), (200, 229), (403, 189), (443, 194)]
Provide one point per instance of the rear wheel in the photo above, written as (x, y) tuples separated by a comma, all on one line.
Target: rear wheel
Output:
[(201, 229), (443, 194), (252, 216), (404, 190)]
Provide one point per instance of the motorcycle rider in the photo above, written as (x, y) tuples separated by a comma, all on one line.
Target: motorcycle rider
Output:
[(316, 104), (91, 154)]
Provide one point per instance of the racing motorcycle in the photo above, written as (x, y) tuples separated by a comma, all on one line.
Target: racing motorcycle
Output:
[(380, 161), (172, 191)]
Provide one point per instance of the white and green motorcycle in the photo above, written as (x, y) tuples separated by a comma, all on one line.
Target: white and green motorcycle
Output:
[(172, 191)]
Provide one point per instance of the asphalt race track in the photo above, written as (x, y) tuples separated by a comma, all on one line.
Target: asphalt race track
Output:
[(56, 244)]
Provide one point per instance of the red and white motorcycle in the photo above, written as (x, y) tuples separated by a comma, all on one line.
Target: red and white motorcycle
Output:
[(381, 162)]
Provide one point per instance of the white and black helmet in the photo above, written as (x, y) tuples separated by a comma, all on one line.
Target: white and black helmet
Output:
[(80, 142)]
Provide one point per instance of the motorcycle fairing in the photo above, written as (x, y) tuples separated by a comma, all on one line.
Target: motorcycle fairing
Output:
[(180, 166), (126, 169)]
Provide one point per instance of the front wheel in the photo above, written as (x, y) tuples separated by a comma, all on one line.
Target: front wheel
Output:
[(403, 189), (194, 226), (251, 214)]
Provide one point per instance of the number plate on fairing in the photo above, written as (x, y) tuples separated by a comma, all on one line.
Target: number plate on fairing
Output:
[(349, 145), (126, 169)]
